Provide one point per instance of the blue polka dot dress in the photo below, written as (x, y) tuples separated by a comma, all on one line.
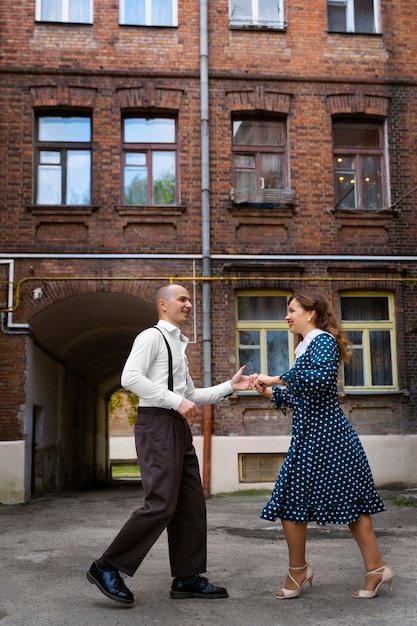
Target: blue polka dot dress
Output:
[(325, 476)]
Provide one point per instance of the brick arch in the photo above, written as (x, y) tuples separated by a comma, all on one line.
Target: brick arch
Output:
[(358, 103), (57, 289), (259, 99), (147, 96), (63, 95)]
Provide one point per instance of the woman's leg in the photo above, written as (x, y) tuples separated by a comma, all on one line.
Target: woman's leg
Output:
[(363, 533), (295, 535)]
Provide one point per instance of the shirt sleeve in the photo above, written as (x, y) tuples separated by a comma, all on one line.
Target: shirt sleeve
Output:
[(146, 349)]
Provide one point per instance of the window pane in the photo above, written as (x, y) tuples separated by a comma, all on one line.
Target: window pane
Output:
[(49, 185), (136, 186), (353, 370), (266, 308), (268, 10), (68, 129), (258, 133), (277, 352), (245, 161), (364, 16), (135, 158), (141, 130), (241, 8), (272, 171), (48, 157), (372, 309), (163, 171), (51, 10), (161, 13), (381, 365), (371, 182), (355, 136), (79, 11), (345, 188), (336, 17), (78, 177), (134, 12), (251, 354)]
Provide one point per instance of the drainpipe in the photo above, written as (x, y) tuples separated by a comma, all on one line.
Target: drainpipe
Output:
[(205, 236)]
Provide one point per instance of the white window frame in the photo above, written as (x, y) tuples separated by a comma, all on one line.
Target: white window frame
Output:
[(65, 12), (254, 20), (350, 14), (365, 326), (148, 14)]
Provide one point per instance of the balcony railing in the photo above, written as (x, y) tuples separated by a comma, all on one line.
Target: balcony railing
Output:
[(263, 197)]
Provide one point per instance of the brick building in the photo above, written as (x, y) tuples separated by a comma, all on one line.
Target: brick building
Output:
[(246, 150)]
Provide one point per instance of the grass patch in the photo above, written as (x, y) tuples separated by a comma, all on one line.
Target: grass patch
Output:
[(405, 501), (118, 472), (243, 493)]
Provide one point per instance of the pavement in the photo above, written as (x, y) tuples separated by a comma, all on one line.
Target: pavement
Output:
[(48, 544)]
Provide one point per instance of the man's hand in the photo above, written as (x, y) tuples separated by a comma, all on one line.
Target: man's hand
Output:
[(240, 382), (188, 409)]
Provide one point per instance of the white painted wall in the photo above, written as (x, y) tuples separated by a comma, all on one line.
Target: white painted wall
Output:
[(393, 458), (12, 472)]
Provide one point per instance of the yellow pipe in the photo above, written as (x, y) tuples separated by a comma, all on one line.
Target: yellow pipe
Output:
[(18, 284)]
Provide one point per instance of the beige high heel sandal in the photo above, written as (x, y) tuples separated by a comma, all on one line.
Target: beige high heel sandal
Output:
[(387, 576), (294, 593)]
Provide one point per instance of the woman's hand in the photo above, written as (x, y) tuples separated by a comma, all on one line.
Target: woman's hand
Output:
[(263, 384)]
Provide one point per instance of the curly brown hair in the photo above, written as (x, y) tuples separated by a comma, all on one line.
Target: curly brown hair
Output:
[(325, 320)]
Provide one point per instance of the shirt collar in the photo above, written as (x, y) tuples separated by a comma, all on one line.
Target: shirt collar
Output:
[(171, 328), (303, 345)]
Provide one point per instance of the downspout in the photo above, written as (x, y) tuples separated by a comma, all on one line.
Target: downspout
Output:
[(205, 237)]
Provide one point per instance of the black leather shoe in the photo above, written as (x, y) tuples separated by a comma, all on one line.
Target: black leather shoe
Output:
[(199, 587), (110, 583)]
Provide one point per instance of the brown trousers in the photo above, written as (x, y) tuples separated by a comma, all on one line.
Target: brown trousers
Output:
[(174, 498)]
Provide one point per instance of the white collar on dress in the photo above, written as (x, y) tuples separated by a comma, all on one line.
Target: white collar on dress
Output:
[(303, 345)]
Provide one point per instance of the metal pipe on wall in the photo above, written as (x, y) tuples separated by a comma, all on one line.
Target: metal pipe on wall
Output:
[(205, 237)]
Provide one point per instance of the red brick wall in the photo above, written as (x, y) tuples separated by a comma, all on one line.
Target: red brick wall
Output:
[(304, 73)]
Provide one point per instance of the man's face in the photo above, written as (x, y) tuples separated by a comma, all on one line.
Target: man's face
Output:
[(176, 307)]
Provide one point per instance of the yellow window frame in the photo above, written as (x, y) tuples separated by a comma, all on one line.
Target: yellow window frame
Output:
[(263, 326), (365, 326)]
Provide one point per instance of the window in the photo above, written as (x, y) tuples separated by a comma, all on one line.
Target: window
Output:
[(263, 338), (63, 160), (358, 165), (260, 467), (259, 162), (150, 159), (256, 14), (353, 16), (369, 322), (76, 11), (149, 12)]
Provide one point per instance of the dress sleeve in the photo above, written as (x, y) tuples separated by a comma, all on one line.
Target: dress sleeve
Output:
[(317, 368)]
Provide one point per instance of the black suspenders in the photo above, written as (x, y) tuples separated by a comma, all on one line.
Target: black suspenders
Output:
[(170, 376)]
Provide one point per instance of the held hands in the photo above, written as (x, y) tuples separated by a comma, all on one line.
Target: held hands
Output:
[(263, 384)]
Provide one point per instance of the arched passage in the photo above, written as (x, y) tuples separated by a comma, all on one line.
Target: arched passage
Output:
[(80, 344)]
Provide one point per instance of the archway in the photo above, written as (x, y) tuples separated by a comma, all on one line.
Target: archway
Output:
[(80, 345)]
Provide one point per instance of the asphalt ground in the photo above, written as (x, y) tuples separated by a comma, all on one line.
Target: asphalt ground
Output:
[(48, 544)]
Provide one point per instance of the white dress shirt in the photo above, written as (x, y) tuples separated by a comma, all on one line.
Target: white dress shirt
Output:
[(146, 371)]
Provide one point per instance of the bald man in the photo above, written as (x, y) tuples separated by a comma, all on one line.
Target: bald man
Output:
[(157, 371)]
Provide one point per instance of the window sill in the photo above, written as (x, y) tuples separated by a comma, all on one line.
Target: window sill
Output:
[(145, 212), (243, 25), (61, 209), (351, 32), (363, 213), (404, 393)]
